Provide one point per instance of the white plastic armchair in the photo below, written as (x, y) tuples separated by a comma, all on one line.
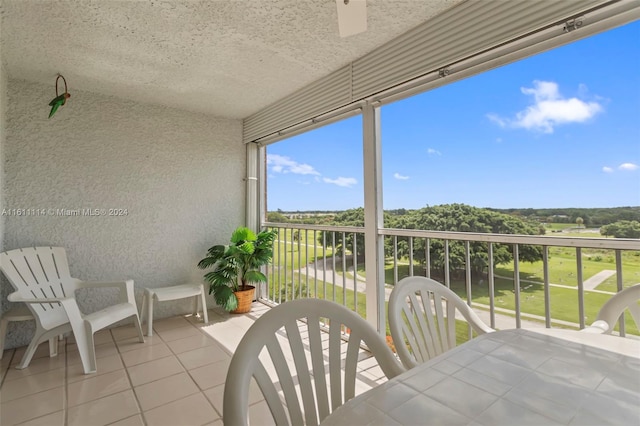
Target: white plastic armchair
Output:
[(422, 315), (263, 353), (41, 279), (612, 310)]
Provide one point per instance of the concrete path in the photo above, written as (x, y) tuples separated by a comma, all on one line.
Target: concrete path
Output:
[(597, 279)]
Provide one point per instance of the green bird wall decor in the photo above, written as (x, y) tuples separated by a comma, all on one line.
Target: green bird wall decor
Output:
[(59, 100)]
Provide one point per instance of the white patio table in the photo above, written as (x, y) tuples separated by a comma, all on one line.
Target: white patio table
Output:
[(523, 377)]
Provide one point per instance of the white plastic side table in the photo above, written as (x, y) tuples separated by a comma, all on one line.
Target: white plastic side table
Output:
[(162, 294)]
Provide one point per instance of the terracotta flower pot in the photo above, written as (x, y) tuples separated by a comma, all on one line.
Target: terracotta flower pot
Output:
[(245, 297)]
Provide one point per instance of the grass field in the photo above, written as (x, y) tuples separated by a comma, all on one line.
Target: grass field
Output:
[(300, 252)]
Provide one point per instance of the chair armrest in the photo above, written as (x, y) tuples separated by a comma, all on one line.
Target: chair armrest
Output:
[(98, 284), (598, 327), (126, 288), (476, 323), (15, 297)]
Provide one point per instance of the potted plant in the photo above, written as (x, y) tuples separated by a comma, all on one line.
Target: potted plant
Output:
[(236, 266)]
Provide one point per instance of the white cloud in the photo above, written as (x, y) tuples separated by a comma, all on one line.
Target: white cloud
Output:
[(628, 166), (341, 181), (400, 177), (432, 151), (549, 109), (282, 164)]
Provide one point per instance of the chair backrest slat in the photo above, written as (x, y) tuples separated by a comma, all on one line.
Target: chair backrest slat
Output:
[(302, 372), (409, 335), (335, 376), (268, 389), (319, 372), (285, 379), (351, 364), (430, 317), (443, 342), (450, 319)]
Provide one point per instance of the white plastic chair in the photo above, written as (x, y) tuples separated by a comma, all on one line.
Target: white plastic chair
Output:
[(312, 401), (612, 310), (41, 278), (420, 327)]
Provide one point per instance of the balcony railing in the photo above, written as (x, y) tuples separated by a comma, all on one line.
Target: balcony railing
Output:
[(324, 262)]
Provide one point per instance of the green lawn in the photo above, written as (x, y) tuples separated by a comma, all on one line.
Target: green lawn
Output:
[(563, 268), (558, 226), (301, 252)]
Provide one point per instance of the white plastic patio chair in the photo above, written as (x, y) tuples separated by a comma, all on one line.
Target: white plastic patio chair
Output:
[(265, 352), (420, 326), (612, 310), (41, 278)]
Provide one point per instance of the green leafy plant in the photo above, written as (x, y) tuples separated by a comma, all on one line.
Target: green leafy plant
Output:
[(236, 266)]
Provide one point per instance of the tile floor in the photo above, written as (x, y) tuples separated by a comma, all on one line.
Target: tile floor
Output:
[(175, 378)]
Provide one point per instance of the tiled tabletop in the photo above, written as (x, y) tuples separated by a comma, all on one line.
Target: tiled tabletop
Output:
[(510, 377)]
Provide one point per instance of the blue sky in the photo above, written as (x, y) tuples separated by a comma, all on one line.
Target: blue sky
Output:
[(559, 129)]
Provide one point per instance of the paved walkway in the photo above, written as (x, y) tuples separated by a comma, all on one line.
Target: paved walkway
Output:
[(597, 279)]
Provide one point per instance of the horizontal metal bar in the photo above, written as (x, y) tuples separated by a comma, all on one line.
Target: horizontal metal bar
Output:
[(356, 229), (539, 240)]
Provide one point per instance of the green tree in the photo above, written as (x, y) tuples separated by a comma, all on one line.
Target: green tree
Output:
[(351, 217), (463, 218), (276, 217), (579, 222), (622, 229)]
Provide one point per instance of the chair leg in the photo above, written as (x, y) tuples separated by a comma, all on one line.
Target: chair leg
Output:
[(143, 311), (84, 342), (136, 324), (150, 315), (205, 315), (3, 332), (195, 306), (31, 349), (53, 347), (90, 350)]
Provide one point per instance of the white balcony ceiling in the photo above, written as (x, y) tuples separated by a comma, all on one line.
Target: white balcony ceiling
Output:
[(226, 58)]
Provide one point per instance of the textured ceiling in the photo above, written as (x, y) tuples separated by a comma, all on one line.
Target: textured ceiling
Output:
[(226, 58)]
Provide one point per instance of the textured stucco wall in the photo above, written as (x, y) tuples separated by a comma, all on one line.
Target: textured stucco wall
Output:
[(178, 174), (3, 103)]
